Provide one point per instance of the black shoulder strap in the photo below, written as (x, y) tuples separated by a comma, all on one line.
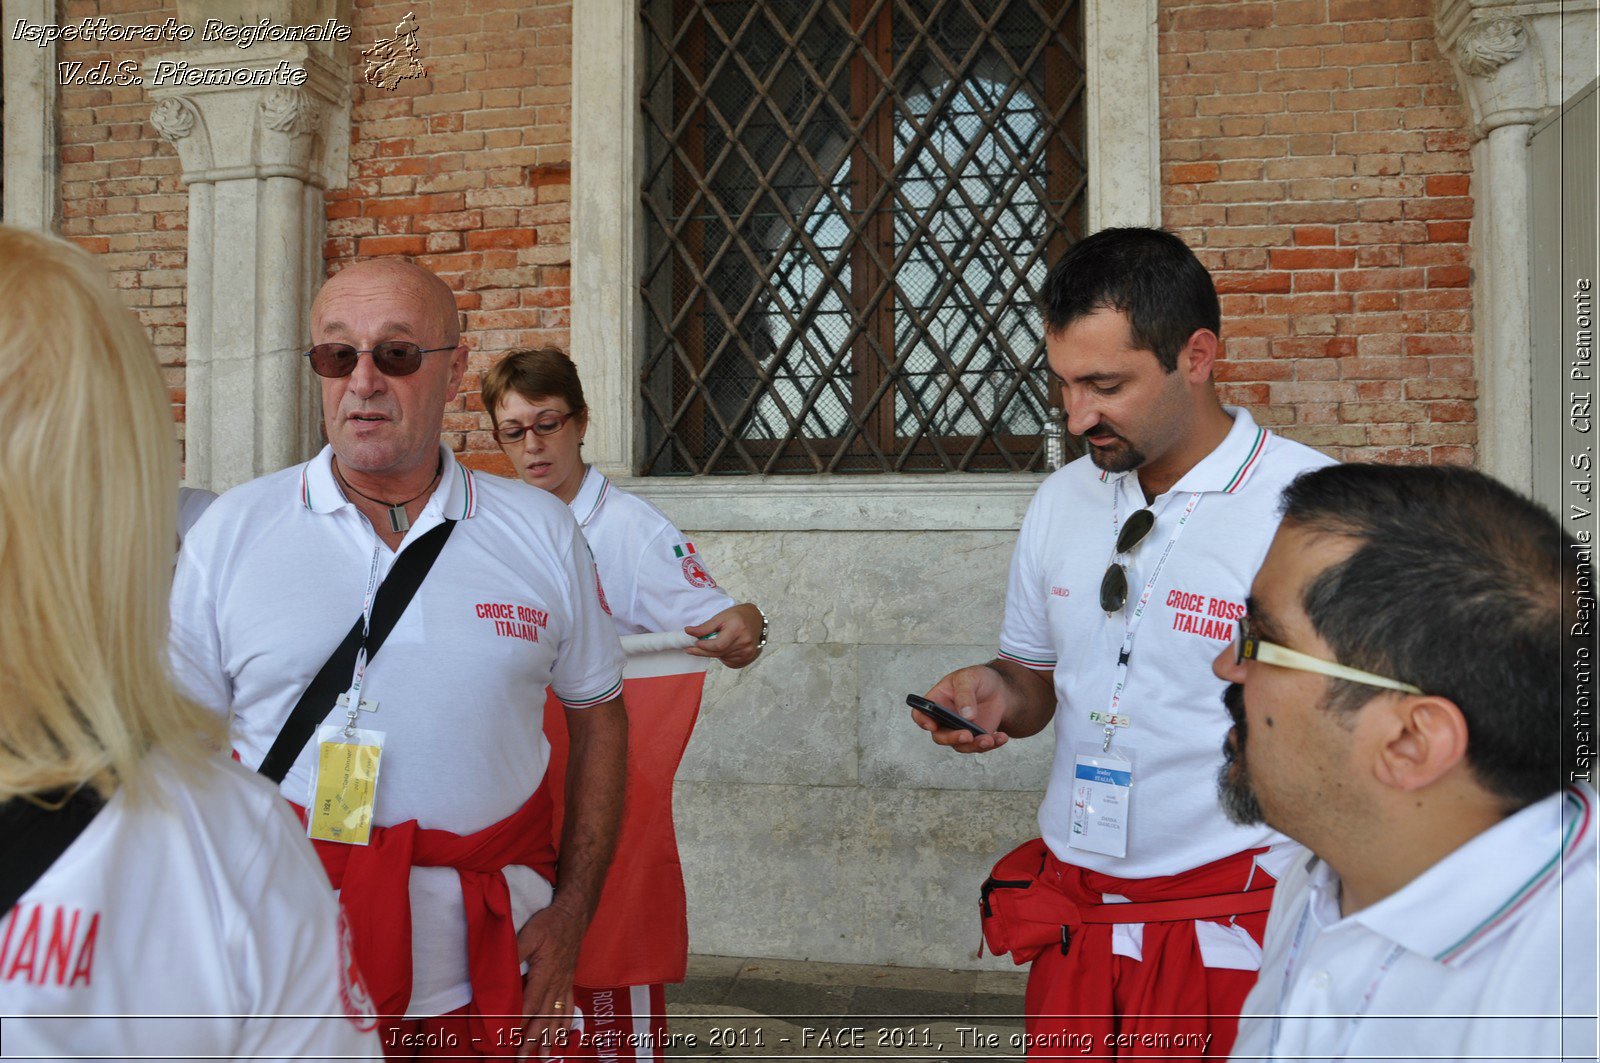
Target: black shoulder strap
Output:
[(394, 594), (32, 838)]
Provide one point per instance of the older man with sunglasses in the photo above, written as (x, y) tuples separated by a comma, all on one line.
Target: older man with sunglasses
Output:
[(1407, 702), (421, 787), (1141, 907)]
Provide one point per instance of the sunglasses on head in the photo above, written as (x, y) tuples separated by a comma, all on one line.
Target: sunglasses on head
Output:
[(392, 357), (1114, 584)]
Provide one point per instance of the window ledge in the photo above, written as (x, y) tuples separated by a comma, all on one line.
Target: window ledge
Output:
[(934, 502)]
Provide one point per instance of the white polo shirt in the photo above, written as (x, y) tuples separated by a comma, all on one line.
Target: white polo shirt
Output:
[(269, 583), (1477, 958), (1172, 701), (204, 900), (192, 501), (654, 579)]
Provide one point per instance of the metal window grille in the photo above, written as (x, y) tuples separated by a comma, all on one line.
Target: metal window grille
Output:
[(850, 207)]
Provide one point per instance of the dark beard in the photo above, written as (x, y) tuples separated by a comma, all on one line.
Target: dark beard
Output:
[(1238, 800), (1125, 458)]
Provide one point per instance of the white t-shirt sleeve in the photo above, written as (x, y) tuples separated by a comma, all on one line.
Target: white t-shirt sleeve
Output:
[(673, 589), (194, 641), (588, 668), (1025, 630), (292, 957)]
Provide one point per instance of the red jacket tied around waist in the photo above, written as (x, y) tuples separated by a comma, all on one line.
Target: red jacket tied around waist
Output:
[(376, 878)]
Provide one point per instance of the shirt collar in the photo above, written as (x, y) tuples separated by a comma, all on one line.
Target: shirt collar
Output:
[(592, 494), (1479, 891), (456, 497), (1228, 467)]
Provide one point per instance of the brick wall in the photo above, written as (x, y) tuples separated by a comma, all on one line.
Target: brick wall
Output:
[(1315, 154), (469, 173)]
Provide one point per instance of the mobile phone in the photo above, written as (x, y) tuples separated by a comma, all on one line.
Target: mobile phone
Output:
[(943, 716)]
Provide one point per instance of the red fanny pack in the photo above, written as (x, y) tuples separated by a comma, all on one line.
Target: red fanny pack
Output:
[(1020, 914), (1024, 913)]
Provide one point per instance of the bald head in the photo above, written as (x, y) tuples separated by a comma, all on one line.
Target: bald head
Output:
[(417, 294), (385, 429)]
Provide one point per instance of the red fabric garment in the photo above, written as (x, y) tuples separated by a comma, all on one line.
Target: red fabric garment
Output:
[(640, 931), (1167, 1005), (376, 881), (621, 1024)]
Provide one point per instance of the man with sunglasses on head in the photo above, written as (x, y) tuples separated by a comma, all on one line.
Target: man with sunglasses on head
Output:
[(1403, 695), (1141, 907), (423, 782)]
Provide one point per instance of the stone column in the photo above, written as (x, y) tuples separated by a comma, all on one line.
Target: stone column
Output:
[(256, 157), (28, 90), (1517, 61)]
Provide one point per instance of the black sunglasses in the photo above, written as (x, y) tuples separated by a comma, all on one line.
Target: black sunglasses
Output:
[(1114, 584), (392, 357)]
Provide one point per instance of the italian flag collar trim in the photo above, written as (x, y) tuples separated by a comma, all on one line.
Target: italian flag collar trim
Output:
[(1240, 476), (1579, 813)]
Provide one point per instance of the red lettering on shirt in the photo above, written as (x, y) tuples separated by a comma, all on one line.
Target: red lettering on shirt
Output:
[(67, 960), (27, 950), (353, 992), (513, 621), (83, 970), (59, 948), (516, 630), (1204, 615)]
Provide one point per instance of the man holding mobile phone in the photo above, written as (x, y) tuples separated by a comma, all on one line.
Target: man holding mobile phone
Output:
[(1145, 906)]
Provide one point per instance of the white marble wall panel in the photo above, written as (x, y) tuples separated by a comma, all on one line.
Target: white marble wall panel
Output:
[(789, 718), (843, 874), (814, 819), (896, 753), (896, 588)]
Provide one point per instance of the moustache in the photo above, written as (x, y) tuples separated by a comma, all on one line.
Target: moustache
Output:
[(1233, 701)]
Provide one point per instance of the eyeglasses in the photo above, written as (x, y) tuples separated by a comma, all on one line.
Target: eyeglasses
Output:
[(547, 424), (1114, 584), (1250, 648), (392, 357)]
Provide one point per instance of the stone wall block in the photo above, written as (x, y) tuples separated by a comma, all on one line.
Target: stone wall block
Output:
[(895, 753), (788, 718), (843, 874), (902, 588)]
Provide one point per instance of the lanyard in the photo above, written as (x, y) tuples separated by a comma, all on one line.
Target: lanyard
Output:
[(1112, 719), (354, 696), (1362, 1007)]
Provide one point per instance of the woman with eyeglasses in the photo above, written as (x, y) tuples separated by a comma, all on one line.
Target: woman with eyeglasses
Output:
[(652, 577), (156, 899)]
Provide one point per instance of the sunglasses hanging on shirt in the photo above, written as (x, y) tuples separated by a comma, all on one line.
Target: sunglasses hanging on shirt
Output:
[(1114, 584)]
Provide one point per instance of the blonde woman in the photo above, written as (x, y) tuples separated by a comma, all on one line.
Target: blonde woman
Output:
[(141, 873)]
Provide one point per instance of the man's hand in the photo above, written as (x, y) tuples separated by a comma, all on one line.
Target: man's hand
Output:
[(548, 942), (738, 630), (1003, 698)]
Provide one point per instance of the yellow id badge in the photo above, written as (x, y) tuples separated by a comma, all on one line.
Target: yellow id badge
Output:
[(345, 788)]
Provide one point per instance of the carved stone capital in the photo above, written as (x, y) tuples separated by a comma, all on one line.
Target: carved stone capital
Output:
[(1517, 60), (1487, 46), (272, 110), (174, 118), (291, 111)]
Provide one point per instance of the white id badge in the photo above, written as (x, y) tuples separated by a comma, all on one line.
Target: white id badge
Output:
[(1102, 784)]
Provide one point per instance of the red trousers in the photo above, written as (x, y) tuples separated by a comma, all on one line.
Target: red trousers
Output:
[(1083, 999)]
